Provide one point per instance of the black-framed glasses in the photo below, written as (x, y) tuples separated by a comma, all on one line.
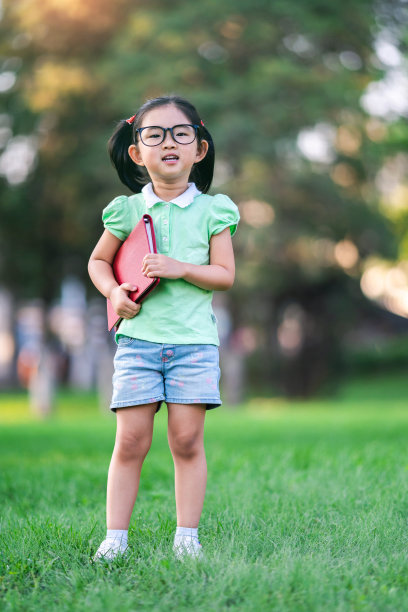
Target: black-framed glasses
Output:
[(153, 135)]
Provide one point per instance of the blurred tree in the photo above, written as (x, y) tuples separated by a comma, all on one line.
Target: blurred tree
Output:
[(279, 85)]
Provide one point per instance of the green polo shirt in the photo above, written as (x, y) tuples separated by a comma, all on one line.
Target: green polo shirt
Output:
[(176, 311)]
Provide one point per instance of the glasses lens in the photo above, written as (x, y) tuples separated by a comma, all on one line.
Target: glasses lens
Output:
[(184, 134), (152, 136)]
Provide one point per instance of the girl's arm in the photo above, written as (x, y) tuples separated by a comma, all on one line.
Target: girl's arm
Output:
[(217, 276), (100, 271), (220, 274)]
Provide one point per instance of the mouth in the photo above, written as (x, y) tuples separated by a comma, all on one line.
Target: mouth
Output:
[(170, 158)]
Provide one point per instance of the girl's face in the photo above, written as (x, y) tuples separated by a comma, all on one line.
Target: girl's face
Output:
[(168, 162)]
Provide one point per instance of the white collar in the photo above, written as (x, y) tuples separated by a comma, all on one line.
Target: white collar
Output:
[(183, 200)]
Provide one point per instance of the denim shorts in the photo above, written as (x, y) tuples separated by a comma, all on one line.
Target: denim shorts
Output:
[(147, 372)]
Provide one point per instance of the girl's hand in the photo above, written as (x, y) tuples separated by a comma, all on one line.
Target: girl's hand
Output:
[(122, 305), (155, 264)]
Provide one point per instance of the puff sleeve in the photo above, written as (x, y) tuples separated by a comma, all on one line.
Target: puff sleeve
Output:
[(224, 213), (116, 217)]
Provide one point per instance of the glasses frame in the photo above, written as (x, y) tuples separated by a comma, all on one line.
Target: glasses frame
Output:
[(165, 130)]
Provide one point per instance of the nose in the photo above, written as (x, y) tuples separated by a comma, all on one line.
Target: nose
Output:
[(168, 139)]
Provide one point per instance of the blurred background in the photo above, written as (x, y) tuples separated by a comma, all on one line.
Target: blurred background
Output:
[(307, 103)]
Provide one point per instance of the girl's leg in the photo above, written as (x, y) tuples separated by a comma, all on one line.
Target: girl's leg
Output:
[(133, 439), (186, 441)]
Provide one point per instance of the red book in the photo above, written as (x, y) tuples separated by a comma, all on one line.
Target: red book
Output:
[(127, 265)]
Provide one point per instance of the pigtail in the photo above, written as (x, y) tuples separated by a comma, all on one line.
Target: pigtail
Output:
[(203, 172), (133, 176)]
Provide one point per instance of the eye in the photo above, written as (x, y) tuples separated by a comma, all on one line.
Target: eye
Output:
[(152, 133)]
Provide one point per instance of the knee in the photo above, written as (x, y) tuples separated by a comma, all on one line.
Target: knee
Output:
[(185, 444), (132, 446)]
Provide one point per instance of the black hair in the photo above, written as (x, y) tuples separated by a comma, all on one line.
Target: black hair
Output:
[(134, 176)]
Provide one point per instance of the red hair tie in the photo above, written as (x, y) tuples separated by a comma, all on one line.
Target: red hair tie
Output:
[(131, 120), (202, 123)]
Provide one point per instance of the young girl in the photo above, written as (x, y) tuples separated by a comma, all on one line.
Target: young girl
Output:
[(167, 349)]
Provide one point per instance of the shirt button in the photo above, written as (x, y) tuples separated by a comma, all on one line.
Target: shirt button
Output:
[(167, 205), (164, 238), (165, 222)]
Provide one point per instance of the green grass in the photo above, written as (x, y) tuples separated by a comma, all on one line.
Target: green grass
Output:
[(306, 508)]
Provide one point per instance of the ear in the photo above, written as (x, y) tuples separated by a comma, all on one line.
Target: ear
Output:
[(134, 155), (201, 151)]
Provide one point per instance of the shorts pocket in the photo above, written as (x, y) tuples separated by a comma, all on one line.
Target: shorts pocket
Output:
[(125, 340)]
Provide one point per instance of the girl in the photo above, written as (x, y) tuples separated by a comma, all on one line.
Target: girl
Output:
[(167, 350)]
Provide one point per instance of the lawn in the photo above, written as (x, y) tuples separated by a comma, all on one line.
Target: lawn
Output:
[(306, 508)]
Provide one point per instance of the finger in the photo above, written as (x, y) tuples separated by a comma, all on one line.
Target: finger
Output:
[(128, 314), (127, 309), (152, 265), (132, 314), (127, 304), (152, 259), (131, 306), (146, 262), (151, 272), (128, 286)]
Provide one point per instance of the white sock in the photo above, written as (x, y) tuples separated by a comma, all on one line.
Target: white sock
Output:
[(186, 542), (187, 538), (119, 536), (187, 531)]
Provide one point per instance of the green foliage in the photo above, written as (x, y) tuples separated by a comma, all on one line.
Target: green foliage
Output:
[(237, 62), (259, 72), (386, 356)]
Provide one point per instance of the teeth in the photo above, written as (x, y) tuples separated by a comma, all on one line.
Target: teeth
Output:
[(171, 157)]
